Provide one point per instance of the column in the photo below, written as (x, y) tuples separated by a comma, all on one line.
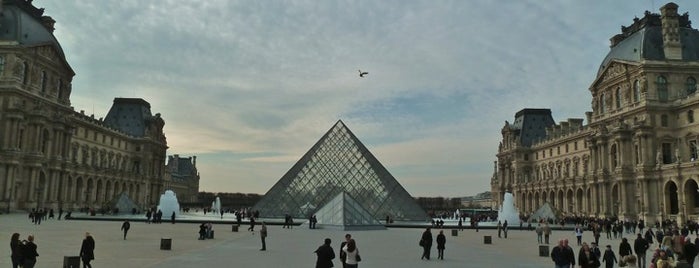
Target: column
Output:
[(603, 199), (623, 198)]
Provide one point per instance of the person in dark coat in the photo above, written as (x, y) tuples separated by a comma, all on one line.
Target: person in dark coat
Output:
[(14, 246), (125, 227), (325, 254), (202, 231), (441, 240), (587, 258), (426, 242), (252, 224), (29, 253), (172, 218), (87, 250), (640, 246), (690, 251), (624, 248), (609, 258)]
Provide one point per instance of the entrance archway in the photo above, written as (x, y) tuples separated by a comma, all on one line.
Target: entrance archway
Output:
[(671, 200), (691, 195)]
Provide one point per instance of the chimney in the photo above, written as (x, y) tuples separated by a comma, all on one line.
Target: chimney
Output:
[(48, 22), (194, 162), (671, 32), (588, 116)]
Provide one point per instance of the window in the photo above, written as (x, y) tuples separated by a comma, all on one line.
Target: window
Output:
[(692, 150), (558, 150), (575, 146), (24, 70), (661, 83), (637, 154), (691, 85), (667, 153), (2, 64), (43, 81), (617, 98), (45, 142), (614, 156), (566, 148), (663, 120), (526, 157), (59, 89), (636, 91), (601, 103), (690, 116), (550, 152), (20, 138)]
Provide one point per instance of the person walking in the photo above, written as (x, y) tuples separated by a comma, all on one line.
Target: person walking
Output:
[(252, 225), (547, 232), (504, 228), (561, 255), (29, 253), (343, 257), (14, 247), (441, 240), (325, 254), (587, 258), (125, 227), (578, 234), (499, 226), (624, 248), (351, 254), (426, 243), (609, 257), (539, 234), (172, 217), (87, 250), (640, 246), (263, 235)]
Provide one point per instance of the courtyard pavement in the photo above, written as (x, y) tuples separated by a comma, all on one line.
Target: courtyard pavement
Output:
[(395, 247)]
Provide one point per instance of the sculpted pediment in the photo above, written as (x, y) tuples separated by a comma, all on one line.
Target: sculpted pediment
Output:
[(614, 69)]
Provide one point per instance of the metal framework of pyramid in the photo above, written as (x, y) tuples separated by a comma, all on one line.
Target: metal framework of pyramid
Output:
[(338, 163), (345, 213)]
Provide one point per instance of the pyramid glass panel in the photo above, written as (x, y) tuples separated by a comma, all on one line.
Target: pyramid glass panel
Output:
[(339, 163)]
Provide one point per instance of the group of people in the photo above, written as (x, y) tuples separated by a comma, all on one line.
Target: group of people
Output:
[(674, 249), (206, 231), (426, 244), (24, 252), (349, 253)]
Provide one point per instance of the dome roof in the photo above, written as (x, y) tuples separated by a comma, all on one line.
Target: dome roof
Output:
[(643, 40), (23, 23)]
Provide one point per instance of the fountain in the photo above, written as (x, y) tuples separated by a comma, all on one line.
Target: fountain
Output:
[(508, 212), (168, 204), (216, 205)]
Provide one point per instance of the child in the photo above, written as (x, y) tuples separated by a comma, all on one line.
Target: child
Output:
[(609, 258)]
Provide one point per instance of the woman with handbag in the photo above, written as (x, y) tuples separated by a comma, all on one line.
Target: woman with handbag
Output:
[(352, 254)]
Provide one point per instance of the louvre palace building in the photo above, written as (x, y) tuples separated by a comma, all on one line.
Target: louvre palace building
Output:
[(636, 156), (52, 156)]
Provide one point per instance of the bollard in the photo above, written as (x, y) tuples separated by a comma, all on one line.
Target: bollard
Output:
[(234, 228), (487, 239), (166, 243), (543, 250), (71, 262), (454, 232)]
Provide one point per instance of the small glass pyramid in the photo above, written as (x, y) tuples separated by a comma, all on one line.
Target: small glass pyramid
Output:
[(345, 213), (338, 163)]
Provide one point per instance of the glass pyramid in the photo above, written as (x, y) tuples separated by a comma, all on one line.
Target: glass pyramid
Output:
[(345, 213), (338, 163)]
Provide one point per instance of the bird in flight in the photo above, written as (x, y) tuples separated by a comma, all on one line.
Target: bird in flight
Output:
[(362, 74)]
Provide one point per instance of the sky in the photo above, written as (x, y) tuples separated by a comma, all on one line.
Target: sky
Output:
[(249, 86)]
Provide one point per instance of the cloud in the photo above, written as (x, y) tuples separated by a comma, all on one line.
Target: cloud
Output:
[(250, 86)]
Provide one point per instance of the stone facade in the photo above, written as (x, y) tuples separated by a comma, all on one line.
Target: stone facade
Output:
[(636, 156), (52, 156), (182, 177)]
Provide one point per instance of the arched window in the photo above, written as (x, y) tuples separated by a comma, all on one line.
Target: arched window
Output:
[(636, 91), (690, 116), (661, 83), (601, 103), (43, 81), (664, 120), (24, 71), (617, 98), (691, 85)]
